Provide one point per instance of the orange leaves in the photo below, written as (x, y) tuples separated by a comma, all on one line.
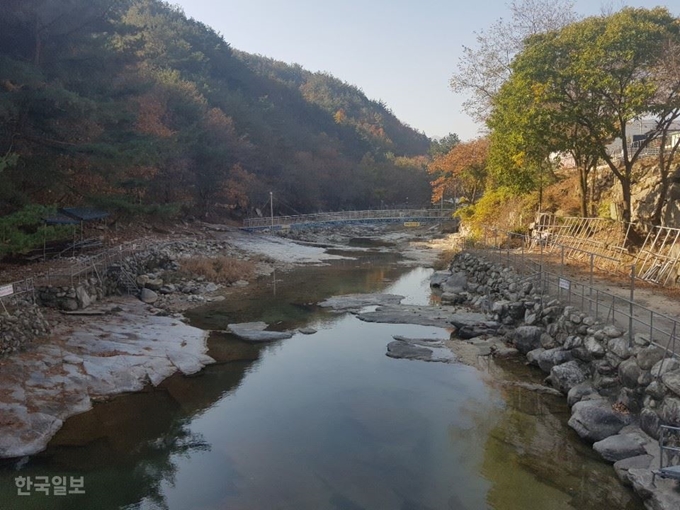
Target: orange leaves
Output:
[(462, 169), (152, 116)]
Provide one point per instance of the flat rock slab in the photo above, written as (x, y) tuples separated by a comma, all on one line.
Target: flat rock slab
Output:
[(439, 316), (254, 332), (423, 349), (623, 466), (96, 357), (399, 349), (661, 495), (355, 302)]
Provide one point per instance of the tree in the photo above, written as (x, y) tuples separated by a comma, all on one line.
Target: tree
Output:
[(667, 78), (483, 69), (596, 76), (462, 171), (443, 145)]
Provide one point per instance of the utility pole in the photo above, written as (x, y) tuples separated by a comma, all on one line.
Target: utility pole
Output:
[(271, 207)]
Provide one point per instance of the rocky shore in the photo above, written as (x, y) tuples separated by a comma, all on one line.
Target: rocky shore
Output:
[(64, 347), (620, 393)]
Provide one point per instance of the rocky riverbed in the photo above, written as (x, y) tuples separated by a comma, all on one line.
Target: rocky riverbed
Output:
[(100, 345)]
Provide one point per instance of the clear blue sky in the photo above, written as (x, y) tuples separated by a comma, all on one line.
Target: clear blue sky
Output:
[(402, 52)]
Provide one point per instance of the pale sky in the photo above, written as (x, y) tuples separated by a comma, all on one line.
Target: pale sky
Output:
[(399, 51)]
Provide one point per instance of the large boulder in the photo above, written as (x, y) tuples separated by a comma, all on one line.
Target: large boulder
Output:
[(567, 375), (439, 277), (552, 357), (527, 338), (580, 392), (620, 446), (649, 356), (671, 380), (629, 372), (595, 420), (148, 296), (455, 284)]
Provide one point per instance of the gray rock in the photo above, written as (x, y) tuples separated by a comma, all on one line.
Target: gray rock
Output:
[(629, 372), (532, 356), (641, 339), (505, 352), (620, 446), (254, 332), (210, 287), (647, 357), (188, 363), (148, 296), (612, 331), (672, 381), (154, 284), (573, 341), (656, 389), (594, 347), (649, 422), (69, 304), (663, 496), (404, 350), (567, 375), (84, 299), (358, 301), (663, 366), (455, 284), (530, 318), (307, 331), (527, 338), (619, 346), (670, 411), (548, 342), (551, 357), (581, 353), (621, 467), (36, 429), (580, 392), (439, 277), (594, 420)]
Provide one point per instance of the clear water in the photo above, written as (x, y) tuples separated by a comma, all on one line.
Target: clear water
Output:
[(325, 421)]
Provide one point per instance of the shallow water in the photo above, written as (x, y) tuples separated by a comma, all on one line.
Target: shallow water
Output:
[(326, 421)]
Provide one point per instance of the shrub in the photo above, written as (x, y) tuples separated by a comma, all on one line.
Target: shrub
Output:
[(219, 269)]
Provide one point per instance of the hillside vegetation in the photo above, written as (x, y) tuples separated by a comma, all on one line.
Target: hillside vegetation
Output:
[(129, 105), (578, 89)]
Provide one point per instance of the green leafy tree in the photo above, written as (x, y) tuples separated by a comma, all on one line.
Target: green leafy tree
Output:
[(593, 77)]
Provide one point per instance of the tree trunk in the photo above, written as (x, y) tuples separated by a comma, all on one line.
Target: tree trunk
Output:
[(583, 184), (627, 207)]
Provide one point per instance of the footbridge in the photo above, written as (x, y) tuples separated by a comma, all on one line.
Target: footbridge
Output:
[(408, 217)]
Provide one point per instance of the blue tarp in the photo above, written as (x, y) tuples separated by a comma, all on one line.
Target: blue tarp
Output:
[(61, 219), (83, 213)]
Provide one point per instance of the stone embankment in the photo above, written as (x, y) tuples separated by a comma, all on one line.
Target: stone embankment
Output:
[(620, 391), (151, 274)]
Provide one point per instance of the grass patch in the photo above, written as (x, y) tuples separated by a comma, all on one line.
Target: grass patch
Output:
[(219, 269)]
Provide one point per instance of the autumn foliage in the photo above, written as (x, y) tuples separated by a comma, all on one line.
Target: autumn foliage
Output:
[(461, 172)]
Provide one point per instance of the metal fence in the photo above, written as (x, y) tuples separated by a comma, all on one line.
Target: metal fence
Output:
[(347, 216), (549, 277)]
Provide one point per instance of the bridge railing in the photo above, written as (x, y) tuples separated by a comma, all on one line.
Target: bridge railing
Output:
[(348, 216)]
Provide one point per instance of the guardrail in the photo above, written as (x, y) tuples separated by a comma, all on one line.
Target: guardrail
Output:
[(379, 214), (553, 283)]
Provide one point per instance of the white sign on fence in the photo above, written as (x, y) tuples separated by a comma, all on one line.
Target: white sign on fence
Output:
[(6, 290), (564, 283)]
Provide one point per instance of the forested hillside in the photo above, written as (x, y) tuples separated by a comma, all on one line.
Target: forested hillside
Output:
[(129, 105)]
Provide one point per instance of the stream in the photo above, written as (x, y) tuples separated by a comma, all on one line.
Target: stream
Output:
[(325, 421)]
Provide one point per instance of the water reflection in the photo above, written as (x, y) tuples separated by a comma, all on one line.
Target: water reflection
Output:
[(326, 421)]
